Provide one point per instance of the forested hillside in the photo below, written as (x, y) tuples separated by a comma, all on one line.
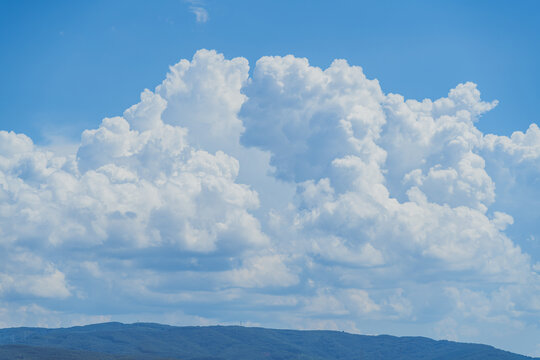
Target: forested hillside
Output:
[(115, 341)]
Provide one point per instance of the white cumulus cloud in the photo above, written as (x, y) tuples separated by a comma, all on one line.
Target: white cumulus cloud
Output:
[(295, 197)]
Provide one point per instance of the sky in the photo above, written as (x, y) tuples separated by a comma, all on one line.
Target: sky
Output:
[(365, 166)]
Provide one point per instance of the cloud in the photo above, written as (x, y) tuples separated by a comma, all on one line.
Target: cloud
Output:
[(201, 15), (295, 197), (307, 117), (136, 185)]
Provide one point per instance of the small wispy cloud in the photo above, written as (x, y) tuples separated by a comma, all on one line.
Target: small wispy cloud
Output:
[(201, 15)]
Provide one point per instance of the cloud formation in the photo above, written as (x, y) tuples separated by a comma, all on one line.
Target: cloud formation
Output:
[(297, 197)]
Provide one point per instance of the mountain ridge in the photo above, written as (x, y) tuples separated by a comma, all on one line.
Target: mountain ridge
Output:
[(153, 341)]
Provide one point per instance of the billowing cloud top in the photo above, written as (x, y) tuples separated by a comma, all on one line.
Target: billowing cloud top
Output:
[(297, 197)]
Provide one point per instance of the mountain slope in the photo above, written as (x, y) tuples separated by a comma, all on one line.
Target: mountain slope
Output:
[(26, 352), (153, 341)]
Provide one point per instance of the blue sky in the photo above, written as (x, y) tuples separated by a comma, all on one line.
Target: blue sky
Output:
[(261, 181), (80, 62)]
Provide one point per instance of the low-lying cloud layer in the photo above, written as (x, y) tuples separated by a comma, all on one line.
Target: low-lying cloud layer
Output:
[(294, 197)]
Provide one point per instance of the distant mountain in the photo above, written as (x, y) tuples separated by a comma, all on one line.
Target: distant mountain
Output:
[(142, 341), (26, 352)]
